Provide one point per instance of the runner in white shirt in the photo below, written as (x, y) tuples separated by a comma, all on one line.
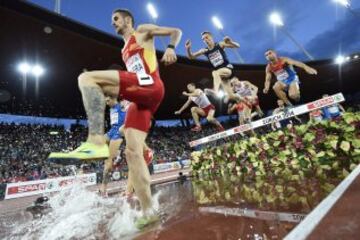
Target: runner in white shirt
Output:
[(204, 107), (248, 92)]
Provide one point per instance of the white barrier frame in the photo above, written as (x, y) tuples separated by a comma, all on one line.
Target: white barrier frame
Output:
[(305, 108)]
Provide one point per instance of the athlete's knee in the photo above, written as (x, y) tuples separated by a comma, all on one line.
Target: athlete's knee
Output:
[(294, 96), (132, 153), (85, 79), (210, 118), (215, 73)]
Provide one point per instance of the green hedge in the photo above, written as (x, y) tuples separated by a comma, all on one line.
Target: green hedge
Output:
[(327, 149)]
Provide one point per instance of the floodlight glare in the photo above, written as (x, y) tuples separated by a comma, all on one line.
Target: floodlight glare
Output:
[(152, 11), (24, 68), (345, 3), (37, 70), (340, 59), (276, 19), (216, 21)]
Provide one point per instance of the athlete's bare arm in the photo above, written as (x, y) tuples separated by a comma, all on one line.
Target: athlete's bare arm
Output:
[(193, 55), (302, 65), (187, 104), (196, 93), (228, 43), (268, 77), (231, 108), (152, 30)]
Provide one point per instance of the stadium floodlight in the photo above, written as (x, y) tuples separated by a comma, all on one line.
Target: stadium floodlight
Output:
[(152, 11), (217, 23), (356, 56), (340, 59), (24, 68), (345, 3), (347, 58), (275, 19), (37, 70)]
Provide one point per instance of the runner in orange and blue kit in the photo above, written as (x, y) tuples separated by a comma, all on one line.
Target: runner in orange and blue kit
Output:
[(287, 78)]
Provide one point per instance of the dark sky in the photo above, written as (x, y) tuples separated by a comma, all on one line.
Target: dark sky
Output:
[(324, 28)]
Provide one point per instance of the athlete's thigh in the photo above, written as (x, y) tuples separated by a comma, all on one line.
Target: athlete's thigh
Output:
[(280, 85), (224, 72), (211, 113), (294, 88), (200, 112), (108, 80)]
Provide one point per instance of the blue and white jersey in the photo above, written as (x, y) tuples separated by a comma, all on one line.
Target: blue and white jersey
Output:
[(117, 115), (331, 111)]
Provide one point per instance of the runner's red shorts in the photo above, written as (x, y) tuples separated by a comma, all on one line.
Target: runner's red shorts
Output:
[(208, 108), (145, 100)]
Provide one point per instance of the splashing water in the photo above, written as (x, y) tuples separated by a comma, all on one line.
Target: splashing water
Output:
[(78, 213)]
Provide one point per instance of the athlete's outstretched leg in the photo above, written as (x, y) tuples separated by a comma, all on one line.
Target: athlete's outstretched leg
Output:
[(210, 117), (294, 91), (279, 89)]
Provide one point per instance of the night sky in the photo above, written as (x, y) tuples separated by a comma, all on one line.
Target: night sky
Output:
[(324, 28)]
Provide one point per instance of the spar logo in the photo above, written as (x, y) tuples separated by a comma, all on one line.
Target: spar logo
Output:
[(320, 103), (27, 188)]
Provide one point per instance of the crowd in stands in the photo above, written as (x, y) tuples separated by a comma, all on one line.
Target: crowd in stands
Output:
[(24, 148)]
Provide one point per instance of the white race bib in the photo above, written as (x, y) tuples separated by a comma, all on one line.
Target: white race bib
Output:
[(135, 64), (216, 58), (282, 75), (114, 117)]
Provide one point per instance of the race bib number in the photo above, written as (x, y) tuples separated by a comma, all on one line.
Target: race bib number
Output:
[(282, 75), (144, 79), (114, 118), (135, 64), (216, 58)]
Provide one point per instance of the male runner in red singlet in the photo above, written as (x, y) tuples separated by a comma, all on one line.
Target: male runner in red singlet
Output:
[(204, 107), (287, 79), (140, 84)]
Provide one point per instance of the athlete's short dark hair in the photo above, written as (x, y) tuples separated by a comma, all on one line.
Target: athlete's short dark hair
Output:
[(206, 32), (125, 13), (192, 84), (270, 49)]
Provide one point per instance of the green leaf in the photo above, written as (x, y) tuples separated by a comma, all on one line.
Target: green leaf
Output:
[(356, 143), (353, 166), (333, 144), (320, 154), (276, 143), (309, 137), (345, 146)]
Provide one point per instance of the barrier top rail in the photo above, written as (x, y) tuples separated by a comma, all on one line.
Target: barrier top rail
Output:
[(305, 108)]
